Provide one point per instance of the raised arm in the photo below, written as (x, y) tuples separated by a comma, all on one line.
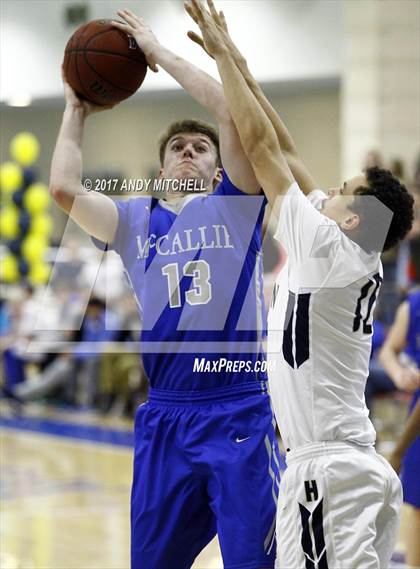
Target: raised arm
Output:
[(300, 172), (204, 89), (95, 213), (258, 137)]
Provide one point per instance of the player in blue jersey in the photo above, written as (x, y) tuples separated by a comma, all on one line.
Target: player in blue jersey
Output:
[(404, 340), (206, 457)]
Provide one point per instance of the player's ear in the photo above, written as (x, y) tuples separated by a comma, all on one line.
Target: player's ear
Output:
[(217, 176), (350, 222), (160, 175)]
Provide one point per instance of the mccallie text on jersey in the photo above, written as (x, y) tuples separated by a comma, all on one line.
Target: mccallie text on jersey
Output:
[(204, 237)]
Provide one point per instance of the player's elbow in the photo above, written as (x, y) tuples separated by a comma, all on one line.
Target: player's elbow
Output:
[(62, 196)]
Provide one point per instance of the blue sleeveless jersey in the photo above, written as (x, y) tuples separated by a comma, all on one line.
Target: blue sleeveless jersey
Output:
[(413, 335), (195, 268), (411, 462)]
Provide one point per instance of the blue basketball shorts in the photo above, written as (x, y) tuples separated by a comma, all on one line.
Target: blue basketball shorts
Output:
[(411, 467), (203, 467)]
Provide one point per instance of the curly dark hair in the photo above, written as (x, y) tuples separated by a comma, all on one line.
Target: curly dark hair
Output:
[(187, 126), (394, 195)]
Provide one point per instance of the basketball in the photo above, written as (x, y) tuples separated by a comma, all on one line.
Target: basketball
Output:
[(103, 64)]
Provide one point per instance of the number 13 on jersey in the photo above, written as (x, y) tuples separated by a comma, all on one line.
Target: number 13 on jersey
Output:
[(200, 291)]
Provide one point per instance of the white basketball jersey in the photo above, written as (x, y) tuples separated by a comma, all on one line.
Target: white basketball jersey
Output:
[(320, 327)]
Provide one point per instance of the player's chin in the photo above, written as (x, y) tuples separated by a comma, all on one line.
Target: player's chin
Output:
[(187, 170)]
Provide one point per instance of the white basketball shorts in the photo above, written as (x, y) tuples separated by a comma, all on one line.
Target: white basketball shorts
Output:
[(338, 508)]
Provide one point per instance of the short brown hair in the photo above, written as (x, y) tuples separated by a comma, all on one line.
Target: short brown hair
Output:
[(189, 125)]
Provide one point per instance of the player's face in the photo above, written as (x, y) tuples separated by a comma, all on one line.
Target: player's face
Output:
[(190, 156), (337, 206)]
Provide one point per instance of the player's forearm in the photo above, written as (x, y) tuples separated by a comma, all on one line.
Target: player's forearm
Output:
[(389, 360), (202, 87), (253, 126), (66, 167), (300, 172), (286, 141)]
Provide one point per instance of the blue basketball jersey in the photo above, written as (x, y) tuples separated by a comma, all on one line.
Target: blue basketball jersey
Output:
[(195, 268), (411, 464), (413, 335)]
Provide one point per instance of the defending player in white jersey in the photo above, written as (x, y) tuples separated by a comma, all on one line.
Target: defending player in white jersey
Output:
[(339, 500)]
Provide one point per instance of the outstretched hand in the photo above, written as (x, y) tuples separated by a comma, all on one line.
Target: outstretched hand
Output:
[(196, 38), (136, 26), (212, 25)]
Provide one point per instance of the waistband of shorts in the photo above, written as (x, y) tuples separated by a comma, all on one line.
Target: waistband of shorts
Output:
[(171, 396), (313, 450)]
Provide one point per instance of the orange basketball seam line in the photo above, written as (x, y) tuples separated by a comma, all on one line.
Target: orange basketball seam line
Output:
[(92, 50), (105, 79), (79, 77), (102, 32)]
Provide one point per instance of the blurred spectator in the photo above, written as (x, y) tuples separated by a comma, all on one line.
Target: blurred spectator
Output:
[(123, 379), (68, 266), (408, 258), (397, 168), (372, 158), (76, 371), (404, 336), (100, 324), (378, 381), (19, 318), (404, 340)]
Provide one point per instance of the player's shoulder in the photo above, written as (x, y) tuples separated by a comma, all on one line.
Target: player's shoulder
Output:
[(352, 260), (132, 209)]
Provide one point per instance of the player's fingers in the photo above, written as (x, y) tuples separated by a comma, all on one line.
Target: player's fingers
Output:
[(129, 13), (191, 8), (123, 27), (198, 40), (128, 17), (223, 21), (213, 11), (199, 9), (195, 38)]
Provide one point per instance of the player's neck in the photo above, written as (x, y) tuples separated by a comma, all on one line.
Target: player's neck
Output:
[(173, 197)]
